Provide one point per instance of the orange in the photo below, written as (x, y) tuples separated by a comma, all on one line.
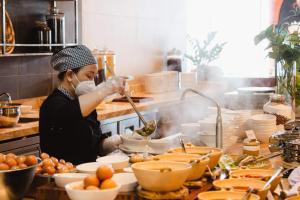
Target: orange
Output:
[(4, 166), (44, 156), (91, 180), (49, 169), (11, 162), (2, 158), (31, 160), (108, 184), (104, 172), (21, 159)]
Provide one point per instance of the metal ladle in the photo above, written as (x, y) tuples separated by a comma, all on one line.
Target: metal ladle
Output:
[(136, 110), (146, 124)]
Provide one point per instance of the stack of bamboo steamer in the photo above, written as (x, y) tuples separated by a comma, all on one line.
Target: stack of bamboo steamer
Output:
[(10, 33)]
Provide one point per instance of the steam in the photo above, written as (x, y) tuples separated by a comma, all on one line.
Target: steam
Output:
[(194, 109)]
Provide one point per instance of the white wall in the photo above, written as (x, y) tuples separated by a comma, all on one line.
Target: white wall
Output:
[(139, 31)]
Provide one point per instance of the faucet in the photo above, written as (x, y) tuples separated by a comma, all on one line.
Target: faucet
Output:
[(8, 96), (219, 129)]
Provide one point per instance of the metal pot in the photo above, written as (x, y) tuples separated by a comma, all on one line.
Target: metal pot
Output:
[(9, 114)]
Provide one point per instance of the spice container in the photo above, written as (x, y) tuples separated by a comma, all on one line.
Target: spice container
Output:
[(251, 147), (43, 35), (174, 60)]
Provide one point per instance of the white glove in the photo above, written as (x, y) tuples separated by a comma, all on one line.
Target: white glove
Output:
[(111, 143), (111, 86), (294, 177)]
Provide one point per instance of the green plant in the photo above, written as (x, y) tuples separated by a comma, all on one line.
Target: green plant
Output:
[(205, 52), (284, 47)]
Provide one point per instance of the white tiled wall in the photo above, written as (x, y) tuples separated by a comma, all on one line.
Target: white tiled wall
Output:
[(139, 31)]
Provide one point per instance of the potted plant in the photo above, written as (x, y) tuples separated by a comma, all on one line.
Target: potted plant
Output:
[(203, 53), (284, 48)]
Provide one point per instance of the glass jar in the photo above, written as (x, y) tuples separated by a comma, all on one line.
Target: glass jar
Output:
[(43, 35), (251, 147), (174, 60), (56, 22)]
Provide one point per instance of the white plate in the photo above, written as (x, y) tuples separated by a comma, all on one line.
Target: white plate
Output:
[(135, 150), (90, 167), (127, 181)]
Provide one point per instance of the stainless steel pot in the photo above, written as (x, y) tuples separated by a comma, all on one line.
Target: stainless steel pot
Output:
[(15, 183), (9, 114)]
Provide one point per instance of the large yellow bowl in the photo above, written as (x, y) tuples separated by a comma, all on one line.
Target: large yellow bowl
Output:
[(225, 195), (214, 158), (294, 198), (198, 166), (161, 176), (258, 174), (243, 185)]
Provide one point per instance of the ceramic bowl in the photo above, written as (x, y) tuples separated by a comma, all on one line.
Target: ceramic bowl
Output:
[(116, 161), (61, 180), (198, 166), (225, 195), (75, 191), (161, 176)]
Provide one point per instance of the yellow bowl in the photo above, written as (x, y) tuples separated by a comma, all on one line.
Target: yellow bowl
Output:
[(198, 166), (161, 176), (294, 198), (214, 158), (225, 195), (243, 185), (258, 174)]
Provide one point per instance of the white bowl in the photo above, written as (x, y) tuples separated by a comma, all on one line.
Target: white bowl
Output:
[(63, 179), (90, 167), (133, 141), (117, 161), (127, 181), (75, 192)]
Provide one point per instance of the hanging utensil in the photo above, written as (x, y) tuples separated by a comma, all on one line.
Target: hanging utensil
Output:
[(182, 145)]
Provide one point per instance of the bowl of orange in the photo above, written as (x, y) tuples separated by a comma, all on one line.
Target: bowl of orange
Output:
[(16, 175), (95, 186)]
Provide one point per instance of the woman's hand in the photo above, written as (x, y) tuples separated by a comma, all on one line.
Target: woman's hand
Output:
[(111, 86)]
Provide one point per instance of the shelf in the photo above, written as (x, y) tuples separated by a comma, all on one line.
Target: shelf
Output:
[(25, 54), (38, 45)]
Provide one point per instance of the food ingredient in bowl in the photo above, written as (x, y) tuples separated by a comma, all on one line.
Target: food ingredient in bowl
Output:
[(91, 180), (104, 172), (108, 184), (148, 129), (13, 162), (51, 165)]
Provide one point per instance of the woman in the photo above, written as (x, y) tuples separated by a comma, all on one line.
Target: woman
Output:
[(68, 124)]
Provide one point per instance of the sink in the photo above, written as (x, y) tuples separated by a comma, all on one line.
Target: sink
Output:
[(27, 120)]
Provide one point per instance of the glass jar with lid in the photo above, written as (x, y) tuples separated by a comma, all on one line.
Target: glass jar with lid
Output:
[(43, 35)]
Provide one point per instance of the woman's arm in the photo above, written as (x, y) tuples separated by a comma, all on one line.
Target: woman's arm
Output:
[(88, 102)]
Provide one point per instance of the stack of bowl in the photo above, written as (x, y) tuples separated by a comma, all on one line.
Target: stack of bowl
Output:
[(264, 125)]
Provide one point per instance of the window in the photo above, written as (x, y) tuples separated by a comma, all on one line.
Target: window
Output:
[(237, 22)]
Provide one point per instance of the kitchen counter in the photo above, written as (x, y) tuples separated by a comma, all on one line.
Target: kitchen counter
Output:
[(105, 111)]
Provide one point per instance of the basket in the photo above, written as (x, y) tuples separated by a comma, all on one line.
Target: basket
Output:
[(10, 33)]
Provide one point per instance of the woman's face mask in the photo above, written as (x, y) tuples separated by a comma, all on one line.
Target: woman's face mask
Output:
[(84, 87)]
